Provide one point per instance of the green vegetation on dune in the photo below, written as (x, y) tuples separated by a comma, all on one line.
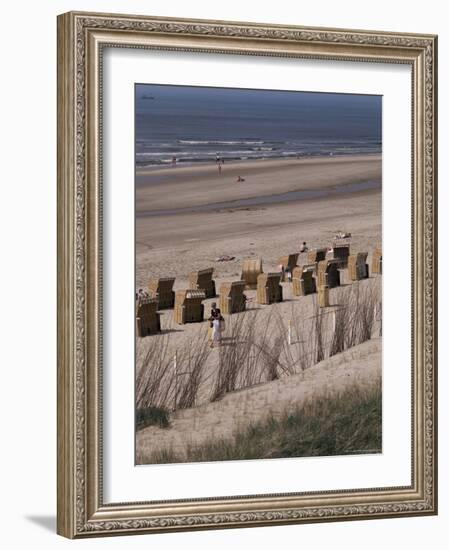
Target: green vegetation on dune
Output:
[(152, 416), (346, 423)]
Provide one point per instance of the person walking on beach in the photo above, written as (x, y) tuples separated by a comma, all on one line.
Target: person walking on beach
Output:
[(214, 314), (218, 326)]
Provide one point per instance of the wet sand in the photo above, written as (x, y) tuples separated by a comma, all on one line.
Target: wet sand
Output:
[(195, 185)]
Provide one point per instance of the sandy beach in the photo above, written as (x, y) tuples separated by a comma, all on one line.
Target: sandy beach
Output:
[(189, 216), (179, 242)]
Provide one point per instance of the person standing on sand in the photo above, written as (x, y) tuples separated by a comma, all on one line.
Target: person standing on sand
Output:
[(218, 326), (214, 314)]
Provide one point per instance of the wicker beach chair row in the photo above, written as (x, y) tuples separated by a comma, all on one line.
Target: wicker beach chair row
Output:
[(162, 287), (319, 275)]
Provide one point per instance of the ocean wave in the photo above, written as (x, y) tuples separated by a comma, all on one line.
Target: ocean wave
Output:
[(147, 159), (220, 142), (247, 148)]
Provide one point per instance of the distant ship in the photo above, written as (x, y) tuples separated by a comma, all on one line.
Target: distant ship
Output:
[(148, 97)]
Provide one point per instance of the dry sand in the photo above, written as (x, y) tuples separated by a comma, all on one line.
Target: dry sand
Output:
[(174, 245)]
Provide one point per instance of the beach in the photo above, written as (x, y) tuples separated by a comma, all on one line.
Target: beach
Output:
[(197, 230), (180, 229)]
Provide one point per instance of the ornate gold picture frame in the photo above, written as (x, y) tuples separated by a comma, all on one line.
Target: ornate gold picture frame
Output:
[(82, 40)]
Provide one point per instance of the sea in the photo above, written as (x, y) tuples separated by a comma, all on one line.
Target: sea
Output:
[(187, 124)]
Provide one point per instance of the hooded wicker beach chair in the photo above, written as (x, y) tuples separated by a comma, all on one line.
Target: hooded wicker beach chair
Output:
[(251, 269), (341, 253), (357, 266), (303, 280), (316, 255), (162, 289), (376, 262), (232, 298), (202, 280), (269, 289), (328, 273), (189, 307), (288, 263), (147, 319), (323, 296)]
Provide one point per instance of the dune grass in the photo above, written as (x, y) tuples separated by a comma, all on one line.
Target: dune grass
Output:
[(346, 423), (152, 416), (257, 349)]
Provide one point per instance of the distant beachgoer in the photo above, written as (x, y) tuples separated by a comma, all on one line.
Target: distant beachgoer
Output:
[(173, 161), (239, 178), (303, 248), (217, 157)]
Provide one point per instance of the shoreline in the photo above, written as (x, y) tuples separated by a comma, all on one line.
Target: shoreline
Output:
[(143, 169), (262, 164)]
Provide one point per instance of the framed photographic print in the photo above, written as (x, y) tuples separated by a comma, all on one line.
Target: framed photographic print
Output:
[(246, 274)]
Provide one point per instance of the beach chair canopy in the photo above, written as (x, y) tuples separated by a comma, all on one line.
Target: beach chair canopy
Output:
[(316, 255), (290, 260), (251, 269)]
